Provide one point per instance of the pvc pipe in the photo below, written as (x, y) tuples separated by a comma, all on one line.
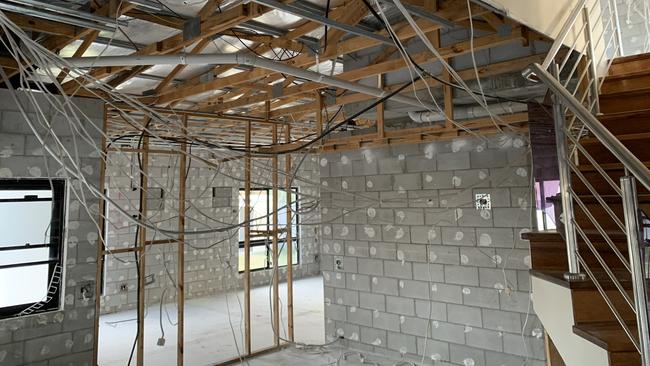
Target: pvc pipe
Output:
[(245, 59), (468, 112)]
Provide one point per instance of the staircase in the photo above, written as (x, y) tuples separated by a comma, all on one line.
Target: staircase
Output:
[(603, 302)]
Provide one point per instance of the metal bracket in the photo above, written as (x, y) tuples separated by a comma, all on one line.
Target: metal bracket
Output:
[(191, 28), (575, 277)]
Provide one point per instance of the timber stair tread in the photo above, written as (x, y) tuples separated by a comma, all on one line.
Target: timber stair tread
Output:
[(608, 335), (557, 277)]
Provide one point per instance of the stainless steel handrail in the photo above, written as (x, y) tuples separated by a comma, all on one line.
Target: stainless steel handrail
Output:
[(614, 145), (564, 32)]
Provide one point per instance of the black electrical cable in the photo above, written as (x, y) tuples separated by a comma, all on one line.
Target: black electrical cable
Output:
[(296, 53), (137, 231), (137, 265), (327, 15), (333, 128)]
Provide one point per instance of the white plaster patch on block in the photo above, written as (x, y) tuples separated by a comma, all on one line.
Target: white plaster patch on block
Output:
[(399, 233), (371, 212), (459, 236), (458, 144), (429, 151), (522, 172), (6, 151), (485, 240), (368, 155), (34, 171), (527, 261), (345, 231), (400, 215), (432, 256)]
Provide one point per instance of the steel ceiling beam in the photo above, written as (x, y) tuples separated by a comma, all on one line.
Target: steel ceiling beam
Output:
[(414, 10), (298, 11), (68, 12)]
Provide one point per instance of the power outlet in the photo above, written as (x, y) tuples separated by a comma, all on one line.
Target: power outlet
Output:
[(86, 290), (338, 263), (483, 201)]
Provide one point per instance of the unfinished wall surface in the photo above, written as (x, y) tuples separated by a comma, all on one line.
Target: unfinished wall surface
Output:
[(65, 336), (412, 268), (633, 18), (211, 260)]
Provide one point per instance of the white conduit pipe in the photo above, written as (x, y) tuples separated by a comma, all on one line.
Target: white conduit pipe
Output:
[(243, 60), (468, 112)]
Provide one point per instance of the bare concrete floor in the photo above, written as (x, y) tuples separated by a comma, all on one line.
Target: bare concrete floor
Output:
[(333, 356), (211, 335)]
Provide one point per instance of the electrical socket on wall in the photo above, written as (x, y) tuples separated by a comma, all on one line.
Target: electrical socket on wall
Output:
[(483, 201), (86, 290)]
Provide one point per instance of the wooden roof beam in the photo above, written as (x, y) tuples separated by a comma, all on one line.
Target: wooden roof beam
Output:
[(457, 49), (453, 12), (466, 74)]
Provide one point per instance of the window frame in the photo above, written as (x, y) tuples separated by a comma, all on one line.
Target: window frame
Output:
[(56, 236), (269, 224)]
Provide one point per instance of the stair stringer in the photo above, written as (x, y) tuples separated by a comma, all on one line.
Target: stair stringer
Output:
[(554, 308)]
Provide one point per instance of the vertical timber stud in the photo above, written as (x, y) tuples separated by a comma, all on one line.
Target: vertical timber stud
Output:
[(247, 242), (319, 114), (180, 280), (276, 309), (101, 242), (380, 110), (144, 184), (289, 239)]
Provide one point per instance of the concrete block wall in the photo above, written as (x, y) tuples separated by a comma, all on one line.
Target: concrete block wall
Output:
[(634, 25), (211, 259), (64, 336), (412, 269)]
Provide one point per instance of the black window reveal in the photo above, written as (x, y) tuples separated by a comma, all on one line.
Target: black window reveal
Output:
[(261, 202), (31, 245)]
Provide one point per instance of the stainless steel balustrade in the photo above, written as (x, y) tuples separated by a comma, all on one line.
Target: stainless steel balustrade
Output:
[(575, 85)]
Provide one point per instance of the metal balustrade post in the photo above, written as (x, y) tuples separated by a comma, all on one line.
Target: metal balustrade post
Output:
[(593, 68), (617, 24), (631, 212), (565, 186)]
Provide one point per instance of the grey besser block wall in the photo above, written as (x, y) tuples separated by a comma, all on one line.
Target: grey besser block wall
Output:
[(65, 336), (211, 260), (411, 268)]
